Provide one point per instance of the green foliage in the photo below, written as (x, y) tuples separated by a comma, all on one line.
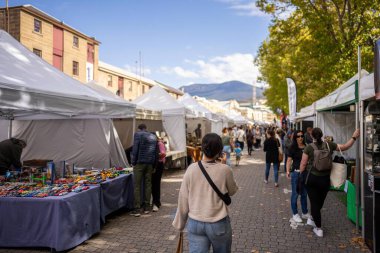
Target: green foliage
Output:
[(315, 44)]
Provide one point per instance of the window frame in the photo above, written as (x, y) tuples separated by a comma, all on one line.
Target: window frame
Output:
[(76, 45), (40, 25), (36, 50), (75, 68), (109, 80)]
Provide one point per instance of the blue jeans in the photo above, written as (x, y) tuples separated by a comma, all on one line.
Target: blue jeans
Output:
[(203, 234), (275, 169), (227, 150), (293, 199)]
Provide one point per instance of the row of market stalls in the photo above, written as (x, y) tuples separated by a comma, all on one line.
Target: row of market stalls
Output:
[(336, 114), (86, 125)]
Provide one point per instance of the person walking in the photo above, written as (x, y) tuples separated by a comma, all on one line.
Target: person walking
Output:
[(271, 145), (198, 203), (250, 141), (258, 136), (144, 157), (308, 138), (317, 181), (240, 137), (287, 143), (156, 176), (293, 171), (227, 142)]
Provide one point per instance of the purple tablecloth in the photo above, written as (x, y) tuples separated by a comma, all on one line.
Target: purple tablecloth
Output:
[(115, 194), (59, 223)]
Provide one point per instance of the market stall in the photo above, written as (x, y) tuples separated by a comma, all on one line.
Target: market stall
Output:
[(61, 120), (305, 117), (173, 118)]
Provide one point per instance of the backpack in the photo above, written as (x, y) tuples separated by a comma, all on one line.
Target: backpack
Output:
[(322, 157)]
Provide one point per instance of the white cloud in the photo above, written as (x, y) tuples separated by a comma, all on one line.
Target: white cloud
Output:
[(145, 71), (179, 71), (217, 69), (244, 7)]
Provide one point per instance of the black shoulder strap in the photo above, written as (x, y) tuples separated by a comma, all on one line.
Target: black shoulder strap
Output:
[(210, 180)]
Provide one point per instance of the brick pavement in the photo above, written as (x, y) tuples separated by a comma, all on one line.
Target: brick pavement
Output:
[(260, 220)]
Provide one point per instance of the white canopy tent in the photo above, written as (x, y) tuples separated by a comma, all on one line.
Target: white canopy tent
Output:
[(334, 116), (32, 93), (126, 126), (198, 114), (173, 116)]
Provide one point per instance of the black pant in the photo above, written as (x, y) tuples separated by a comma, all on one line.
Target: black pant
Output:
[(250, 148), (317, 188), (241, 144), (156, 184)]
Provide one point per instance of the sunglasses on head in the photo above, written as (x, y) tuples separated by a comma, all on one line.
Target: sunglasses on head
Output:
[(299, 136)]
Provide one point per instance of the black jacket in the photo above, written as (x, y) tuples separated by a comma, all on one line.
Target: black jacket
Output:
[(10, 154), (144, 148), (271, 149)]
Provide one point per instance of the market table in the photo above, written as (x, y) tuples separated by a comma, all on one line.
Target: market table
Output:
[(58, 223), (115, 194)]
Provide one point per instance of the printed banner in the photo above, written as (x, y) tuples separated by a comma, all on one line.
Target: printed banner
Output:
[(377, 69), (292, 97)]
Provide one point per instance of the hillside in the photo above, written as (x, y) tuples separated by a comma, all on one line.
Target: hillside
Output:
[(224, 91)]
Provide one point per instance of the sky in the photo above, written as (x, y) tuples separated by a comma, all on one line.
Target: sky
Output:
[(181, 42)]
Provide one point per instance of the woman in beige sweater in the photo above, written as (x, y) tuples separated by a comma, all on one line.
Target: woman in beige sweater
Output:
[(209, 223)]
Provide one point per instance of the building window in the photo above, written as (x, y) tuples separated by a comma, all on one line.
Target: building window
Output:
[(75, 68), (37, 26), (109, 81), (143, 89), (130, 86), (37, 52), (75, 41)]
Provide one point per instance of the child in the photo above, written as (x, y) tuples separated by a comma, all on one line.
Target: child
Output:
[(238, 153)]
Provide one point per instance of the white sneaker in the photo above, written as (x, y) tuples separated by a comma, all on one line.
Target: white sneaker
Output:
[(297, 218), (306, 216), (310, 222), (318, 232), (155, 208), (266, 181)]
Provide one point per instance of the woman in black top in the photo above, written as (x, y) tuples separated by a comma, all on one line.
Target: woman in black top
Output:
[(293, 171), (271, 146), (249, 138)]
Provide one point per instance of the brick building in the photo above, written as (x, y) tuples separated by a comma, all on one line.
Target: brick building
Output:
[(72, 52), (128, 85), (69, 50)]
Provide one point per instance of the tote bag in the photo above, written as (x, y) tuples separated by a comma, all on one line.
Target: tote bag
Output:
[(180, 243), (338, 172)]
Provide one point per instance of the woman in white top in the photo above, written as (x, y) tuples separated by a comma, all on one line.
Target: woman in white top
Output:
[(207, 214)]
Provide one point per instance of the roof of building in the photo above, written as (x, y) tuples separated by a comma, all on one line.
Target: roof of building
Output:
[(169, 88), (119, 71), (43, 15)]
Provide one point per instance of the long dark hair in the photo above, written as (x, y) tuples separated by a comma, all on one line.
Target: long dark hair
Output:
[(317, 134), (294, 140)]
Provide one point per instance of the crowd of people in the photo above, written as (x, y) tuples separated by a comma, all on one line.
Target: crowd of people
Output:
[(202, 204), (206, 188)]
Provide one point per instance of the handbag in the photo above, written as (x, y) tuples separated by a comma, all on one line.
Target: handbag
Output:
[(180, 243), (225, 197), (280, 154), (338, 173)]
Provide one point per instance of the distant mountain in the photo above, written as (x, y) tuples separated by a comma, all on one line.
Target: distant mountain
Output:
[(224, 91)]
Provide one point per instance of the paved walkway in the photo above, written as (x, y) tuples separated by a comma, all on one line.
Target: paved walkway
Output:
[(259, 213)]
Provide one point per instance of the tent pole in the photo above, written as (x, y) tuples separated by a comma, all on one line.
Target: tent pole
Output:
[(361, 106), (357, 125), (10, 129)]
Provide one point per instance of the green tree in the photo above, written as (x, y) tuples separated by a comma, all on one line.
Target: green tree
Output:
[(315, 43)]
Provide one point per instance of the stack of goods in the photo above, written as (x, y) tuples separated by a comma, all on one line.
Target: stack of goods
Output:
[(36, 191)]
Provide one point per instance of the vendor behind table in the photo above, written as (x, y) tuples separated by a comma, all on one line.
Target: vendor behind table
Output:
[(10, 154)]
